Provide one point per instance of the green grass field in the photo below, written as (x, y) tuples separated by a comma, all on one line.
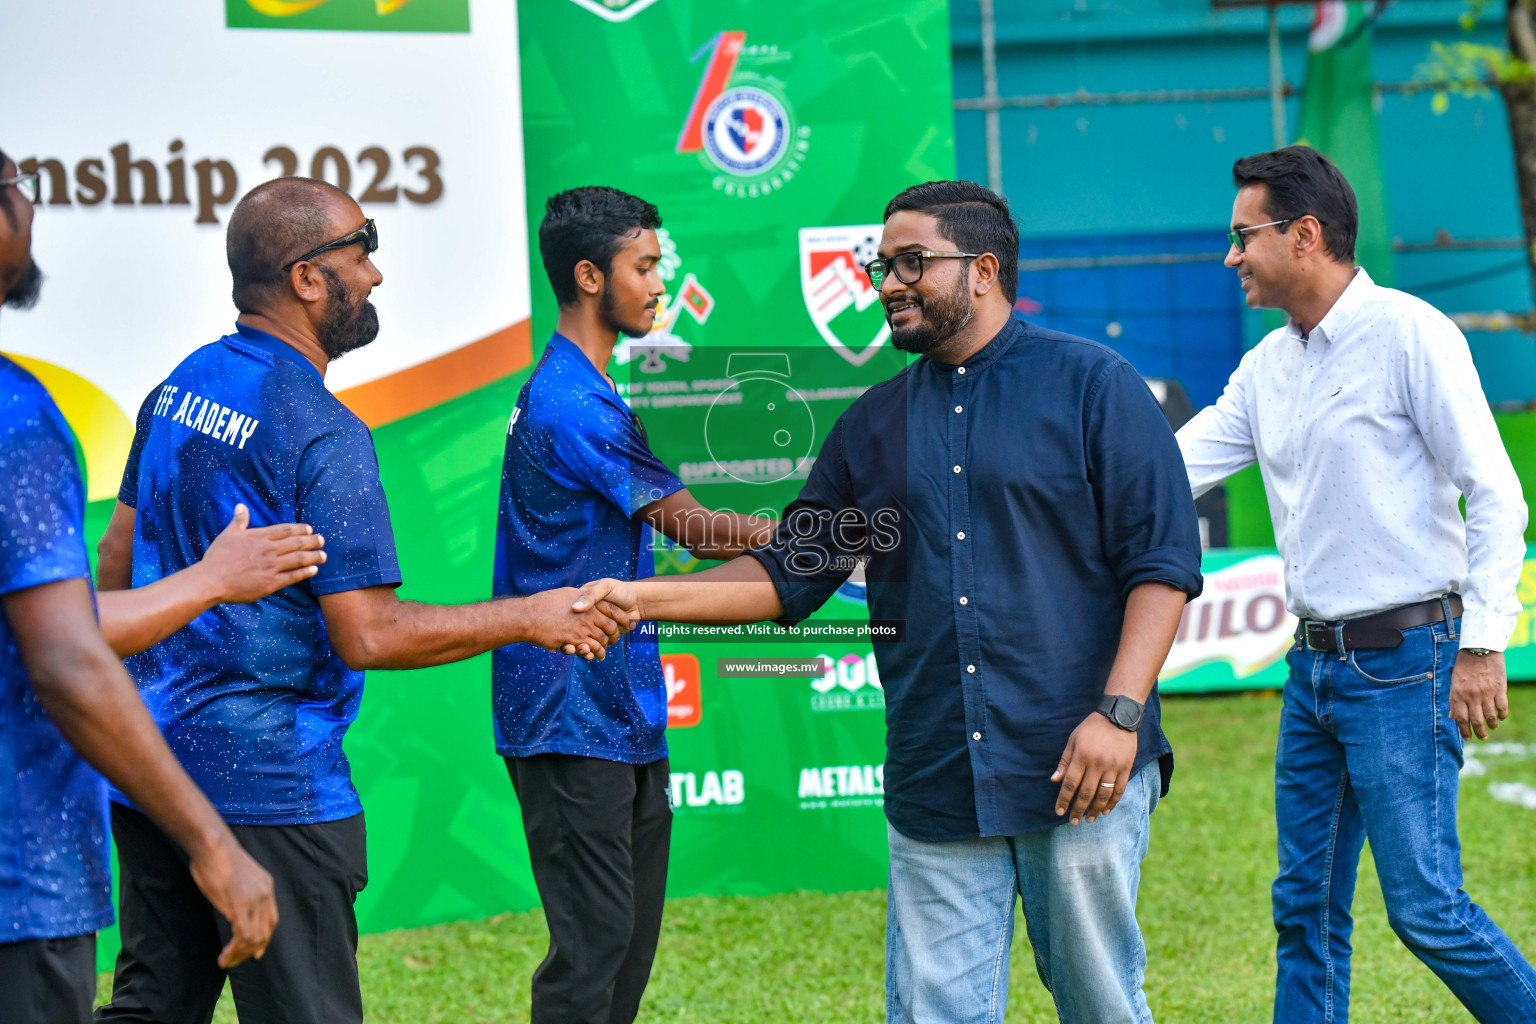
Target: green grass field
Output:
[(1204, 908)]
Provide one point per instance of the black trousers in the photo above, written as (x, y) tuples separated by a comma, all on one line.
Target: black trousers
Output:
[(48, 981), (168, 971), (598, 834)]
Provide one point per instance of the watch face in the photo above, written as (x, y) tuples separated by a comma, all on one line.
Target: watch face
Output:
[(1127, 715)]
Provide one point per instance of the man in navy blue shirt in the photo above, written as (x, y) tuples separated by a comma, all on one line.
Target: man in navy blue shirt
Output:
[(67, 705), (256, 699), (1044, 549), (581, 493)]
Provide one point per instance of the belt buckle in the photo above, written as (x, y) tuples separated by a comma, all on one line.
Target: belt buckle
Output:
[(1306, 634)]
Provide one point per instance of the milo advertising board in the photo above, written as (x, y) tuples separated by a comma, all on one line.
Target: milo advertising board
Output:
[(1234, 636)]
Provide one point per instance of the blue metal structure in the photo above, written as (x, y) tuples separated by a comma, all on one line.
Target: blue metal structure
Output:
[(1097, 178)]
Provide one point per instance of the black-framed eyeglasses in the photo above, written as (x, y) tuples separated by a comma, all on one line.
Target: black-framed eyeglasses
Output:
[(907, 267), (368, 234), (29, 184), (1240, 243)]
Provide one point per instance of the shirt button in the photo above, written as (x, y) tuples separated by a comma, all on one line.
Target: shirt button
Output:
[(975, 735), (957, 469), (962, 370), (965, 600), (971, 669), (959, 408), (960, 535)]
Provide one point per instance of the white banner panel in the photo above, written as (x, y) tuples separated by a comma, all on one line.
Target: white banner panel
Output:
[(148, 121)]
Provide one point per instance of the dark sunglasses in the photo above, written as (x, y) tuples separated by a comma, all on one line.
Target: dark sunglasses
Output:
[(907, 267), (368, 234)]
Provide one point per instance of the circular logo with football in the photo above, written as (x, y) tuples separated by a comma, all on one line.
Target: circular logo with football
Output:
[(746, 131)]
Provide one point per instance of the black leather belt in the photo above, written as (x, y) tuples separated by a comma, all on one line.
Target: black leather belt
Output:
[(1374, 632)]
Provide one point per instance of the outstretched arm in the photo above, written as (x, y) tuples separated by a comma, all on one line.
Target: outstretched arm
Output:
[(241, 565), (736, 592), (1218, 441), (83, 687), (114, 552), (373, 628), (706, 533)]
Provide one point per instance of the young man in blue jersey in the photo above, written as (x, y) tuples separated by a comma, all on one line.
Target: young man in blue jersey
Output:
[(581, 492), (66, 704), (255, 700)]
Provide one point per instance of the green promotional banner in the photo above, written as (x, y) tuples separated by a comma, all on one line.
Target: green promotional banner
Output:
[(771, 137)]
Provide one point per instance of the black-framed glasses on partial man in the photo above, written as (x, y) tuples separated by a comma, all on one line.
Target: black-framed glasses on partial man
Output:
[(29, 184), (368, 234), (907, 267), (1240, 243)]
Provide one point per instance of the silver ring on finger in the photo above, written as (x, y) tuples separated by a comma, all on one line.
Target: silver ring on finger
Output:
[(1106, 785)]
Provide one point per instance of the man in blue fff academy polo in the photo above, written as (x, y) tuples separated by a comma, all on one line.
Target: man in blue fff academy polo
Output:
[(581, 492), (66, 704), (255, 700), (1047, 544)]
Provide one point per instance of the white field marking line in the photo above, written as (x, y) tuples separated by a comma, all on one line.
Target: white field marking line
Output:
[(1473, 753), (1517, 794)]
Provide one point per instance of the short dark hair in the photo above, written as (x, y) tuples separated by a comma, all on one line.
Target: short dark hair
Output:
[(588, 223), (975, 218), (1299, 180), (275, 222)]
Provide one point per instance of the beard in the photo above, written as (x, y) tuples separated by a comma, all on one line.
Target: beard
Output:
[(350, 322), (23, 293), (943, 318), (607, 310)]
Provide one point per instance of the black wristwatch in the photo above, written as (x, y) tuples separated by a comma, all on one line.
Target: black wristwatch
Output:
[(1123, 711)]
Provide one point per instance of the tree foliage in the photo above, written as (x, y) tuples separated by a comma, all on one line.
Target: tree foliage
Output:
[(1466, 68)]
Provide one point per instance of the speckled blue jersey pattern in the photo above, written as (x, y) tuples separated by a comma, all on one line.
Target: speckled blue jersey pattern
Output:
[(251, 697), (576, 471), (54, 874)]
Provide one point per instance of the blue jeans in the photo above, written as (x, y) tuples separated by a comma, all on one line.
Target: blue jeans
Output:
[(949, 919), (1368, 750)]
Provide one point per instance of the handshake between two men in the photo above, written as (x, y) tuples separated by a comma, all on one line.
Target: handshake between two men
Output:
[(735, 592)]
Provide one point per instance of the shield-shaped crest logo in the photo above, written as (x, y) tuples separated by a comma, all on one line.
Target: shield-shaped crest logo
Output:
[(842, 303), (615, 10)]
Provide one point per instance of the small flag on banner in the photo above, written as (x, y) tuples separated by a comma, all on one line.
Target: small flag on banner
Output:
[(695, 299)]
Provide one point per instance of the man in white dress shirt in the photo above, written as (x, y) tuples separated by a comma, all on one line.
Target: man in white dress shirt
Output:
[(1368, 422)]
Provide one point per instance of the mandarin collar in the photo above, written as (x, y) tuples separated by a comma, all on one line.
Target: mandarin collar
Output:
[(983, 357)]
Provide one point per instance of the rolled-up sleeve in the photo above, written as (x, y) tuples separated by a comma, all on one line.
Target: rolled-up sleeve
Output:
[(1146, 513), (820, 537)]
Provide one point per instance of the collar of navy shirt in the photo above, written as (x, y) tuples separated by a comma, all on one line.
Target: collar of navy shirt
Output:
[(982, 357)]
